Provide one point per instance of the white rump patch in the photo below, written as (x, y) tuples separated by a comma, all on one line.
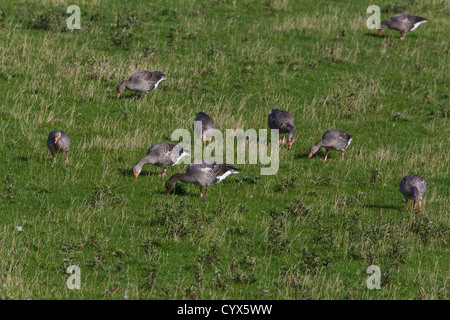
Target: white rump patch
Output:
[(417, 24), (156, 84), (184, 154), (349, 141), (226, 174)]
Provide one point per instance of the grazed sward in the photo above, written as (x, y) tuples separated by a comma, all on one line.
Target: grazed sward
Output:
[(310, 231)]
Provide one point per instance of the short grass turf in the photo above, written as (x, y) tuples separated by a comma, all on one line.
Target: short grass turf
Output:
[(308, 232)]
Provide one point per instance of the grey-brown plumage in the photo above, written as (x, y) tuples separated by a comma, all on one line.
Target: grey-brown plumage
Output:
[(207, 124), (413, 187), (57, 142), (163, 154), (202, 173), (285, 123), (402, 22), (142, 81), (332, 140)]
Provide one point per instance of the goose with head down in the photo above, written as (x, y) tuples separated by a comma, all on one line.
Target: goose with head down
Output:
[(58, 141), (203, 173), (332, 140), (284, 122), (207, 125), (163, 154), (402, 22), (413, 187), (142, 81)]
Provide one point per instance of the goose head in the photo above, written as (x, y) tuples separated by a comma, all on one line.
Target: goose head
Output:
[(313, 150)]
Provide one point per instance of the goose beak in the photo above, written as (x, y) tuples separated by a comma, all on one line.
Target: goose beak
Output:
[(56, 139), (136, 175), (290, 144), (118, 95), (204, 143), (167, 191), (379, 33), (310, 155)]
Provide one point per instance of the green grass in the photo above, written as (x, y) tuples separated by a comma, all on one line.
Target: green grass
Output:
[(308, 232)]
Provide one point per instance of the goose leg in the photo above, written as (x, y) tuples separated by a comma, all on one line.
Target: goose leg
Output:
[(326, 155), (163, 173), (420, 205), (342, 152), (144, 96), (201, 193), (135, 95), (406, 203), (403, 36), (67, 156)]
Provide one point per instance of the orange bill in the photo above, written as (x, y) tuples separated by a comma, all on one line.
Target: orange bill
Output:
[(56, 139), (290, 144), (167, 191), (379, 33), (118, 95), (310, 155), (136, 175)]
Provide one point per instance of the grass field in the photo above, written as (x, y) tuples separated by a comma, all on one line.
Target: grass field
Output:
[(308, 232)]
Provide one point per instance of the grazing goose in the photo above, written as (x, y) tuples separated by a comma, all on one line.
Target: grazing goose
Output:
[(142, 81), (332, 140), (58, 142), (202, 173), (284, 122), (402, 22), (207, 124), (413, 187), (163, 155)]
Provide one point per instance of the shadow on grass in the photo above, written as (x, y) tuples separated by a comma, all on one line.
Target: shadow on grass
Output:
[(375, 35), (24, 159), (126, 97), (378, 206), (301, 156), (180, 190), (127, 172)]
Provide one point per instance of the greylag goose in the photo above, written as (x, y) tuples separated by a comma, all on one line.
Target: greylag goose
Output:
[(284, 122), (413, 187), (332, 140), (202, 173), (163, 154), (207, 124), (402, 22), (57, 142), (142, 81)]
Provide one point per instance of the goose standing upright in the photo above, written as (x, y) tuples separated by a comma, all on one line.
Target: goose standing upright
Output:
[(413, 187), (284, 122), (202, 173), (207, 124), (402, 22), (163, 154), (332, 140), (142, 81), (58, 141)]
